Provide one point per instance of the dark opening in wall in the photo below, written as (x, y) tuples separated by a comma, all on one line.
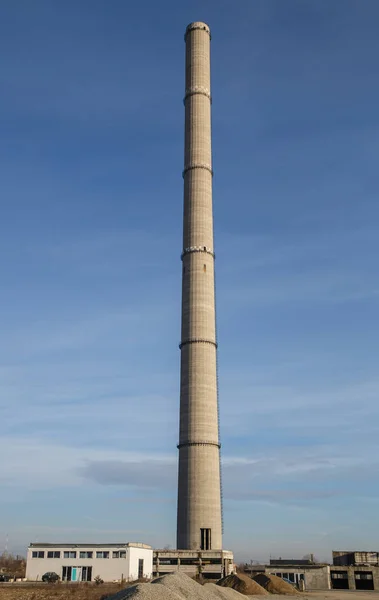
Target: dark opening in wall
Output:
[(339, 580), (205, 539), (364, 580)]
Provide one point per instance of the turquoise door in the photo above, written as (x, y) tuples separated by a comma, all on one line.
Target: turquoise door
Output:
[(73, 574)]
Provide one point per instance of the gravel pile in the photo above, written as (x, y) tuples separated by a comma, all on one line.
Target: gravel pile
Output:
[(243, 584), (275, 585), (145, 591), (177, 586)]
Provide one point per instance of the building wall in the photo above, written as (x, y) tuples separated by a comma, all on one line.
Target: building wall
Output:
[(366, 558), (317, 579), (347, 558), (109, 569), (341, 558), (375, 573), (140, 553)]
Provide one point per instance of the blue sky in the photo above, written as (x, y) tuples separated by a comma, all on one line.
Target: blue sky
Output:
[(91, 153)]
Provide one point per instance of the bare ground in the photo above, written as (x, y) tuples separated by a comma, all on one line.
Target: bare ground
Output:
[(32, 591), (329, 595), (91, 592)]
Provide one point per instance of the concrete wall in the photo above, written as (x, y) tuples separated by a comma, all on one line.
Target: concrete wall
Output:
[(375, 573), (366, 558), (347, 558), (317, 579), (109, 569)]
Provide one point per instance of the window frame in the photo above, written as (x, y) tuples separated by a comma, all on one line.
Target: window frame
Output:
[(119, 554)]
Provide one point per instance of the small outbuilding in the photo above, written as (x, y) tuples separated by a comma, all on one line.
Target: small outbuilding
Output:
[(85, 562)]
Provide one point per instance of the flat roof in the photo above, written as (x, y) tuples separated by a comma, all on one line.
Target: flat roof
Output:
[(121, 545), (193, 553)]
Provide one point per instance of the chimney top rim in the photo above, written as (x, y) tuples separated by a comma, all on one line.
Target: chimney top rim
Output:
[(198, 25)]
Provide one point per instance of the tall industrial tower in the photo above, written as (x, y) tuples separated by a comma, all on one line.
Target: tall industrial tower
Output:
[(199, 525)]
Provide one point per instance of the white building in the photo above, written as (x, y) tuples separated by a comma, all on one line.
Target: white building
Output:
[(84, 562)]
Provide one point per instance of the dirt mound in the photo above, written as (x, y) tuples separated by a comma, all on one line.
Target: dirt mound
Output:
[(177, 586), (275, 585), (223, 593), (243, 584)]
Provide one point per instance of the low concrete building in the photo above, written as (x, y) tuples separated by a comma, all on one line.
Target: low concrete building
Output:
[(305, 576), (210, 564), (84, 562), (315, 576), (355, 570)]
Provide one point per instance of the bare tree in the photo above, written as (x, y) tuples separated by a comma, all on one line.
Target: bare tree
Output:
[(15, 566)]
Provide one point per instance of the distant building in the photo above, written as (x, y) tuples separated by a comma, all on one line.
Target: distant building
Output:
[(350, 571), (345, 558), (84, 562), (301, 573), (278, 562)]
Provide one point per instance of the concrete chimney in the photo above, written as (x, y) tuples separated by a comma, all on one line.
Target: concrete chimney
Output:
[(199, 524)]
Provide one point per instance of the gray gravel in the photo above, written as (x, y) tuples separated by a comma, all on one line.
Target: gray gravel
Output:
[(177, 586)]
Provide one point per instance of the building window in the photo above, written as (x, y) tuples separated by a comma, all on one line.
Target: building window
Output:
[(66, 573), (86, 573), (69, 554), (140, 568), (102, 554), (119, 554), (168, 561), (205, 539), (38, 554), (53, 554), (214, 561), (86, 554)]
